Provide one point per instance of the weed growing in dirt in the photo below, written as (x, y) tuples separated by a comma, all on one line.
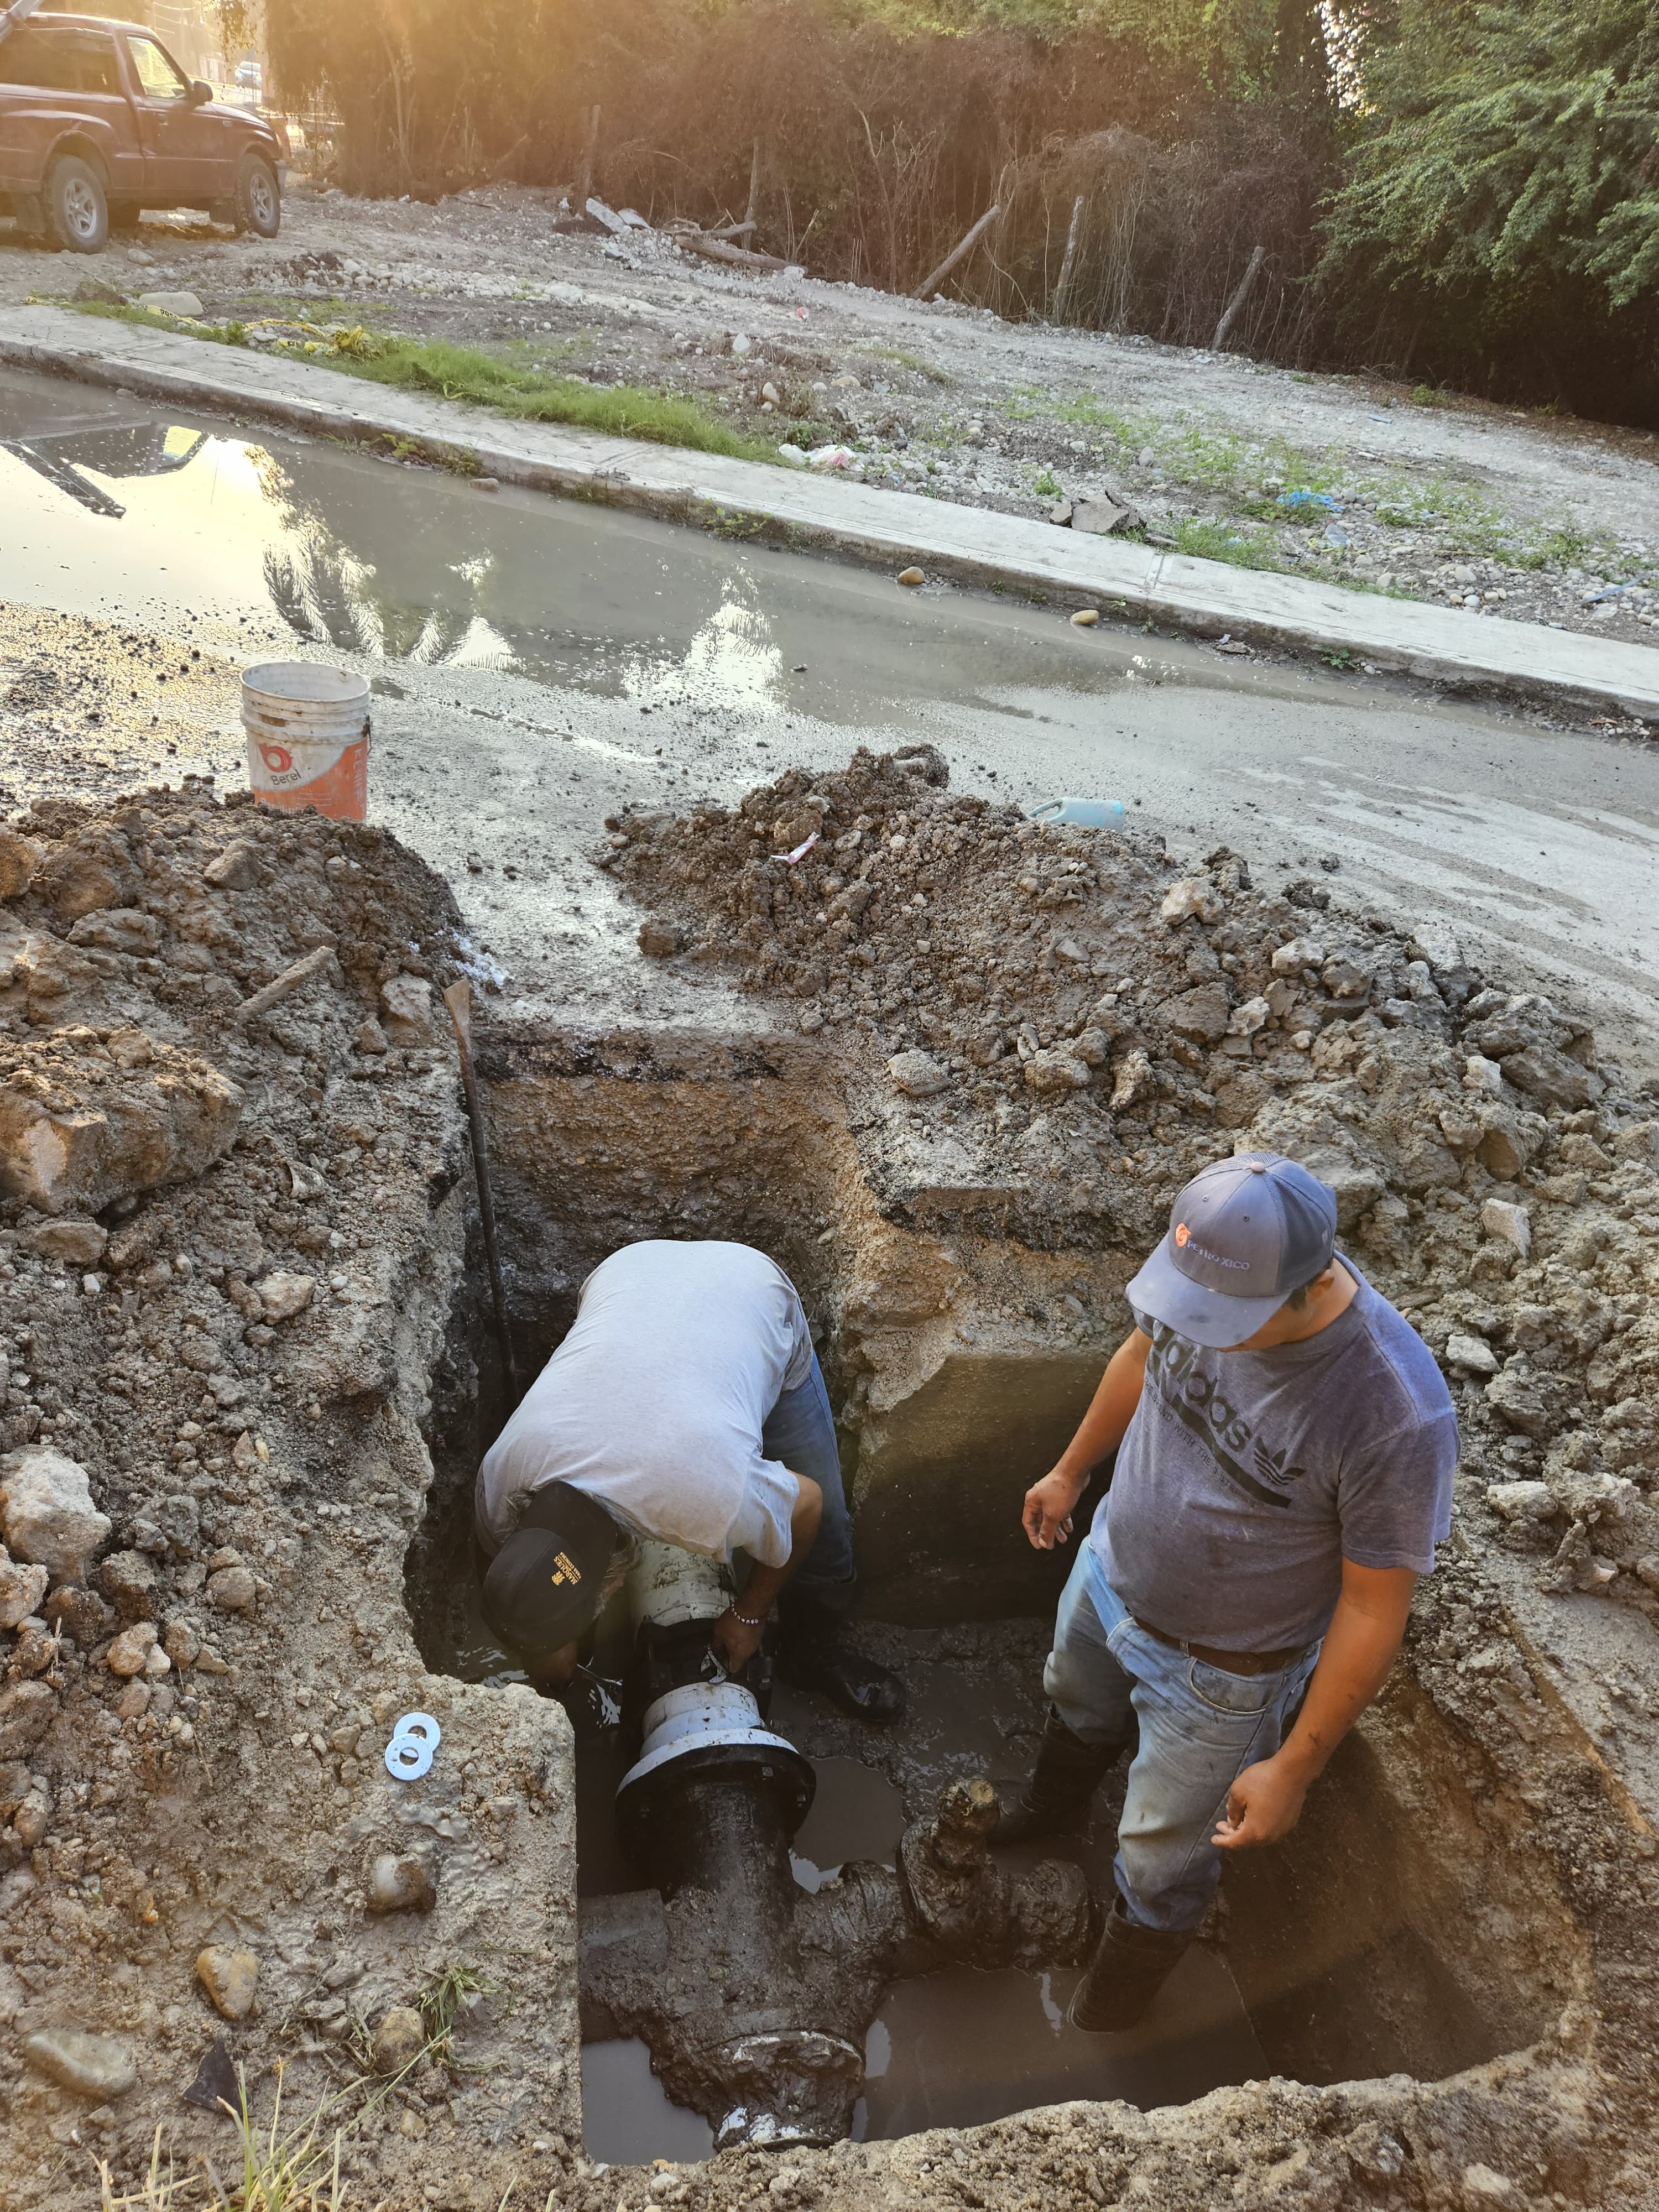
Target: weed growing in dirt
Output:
[(915, 363), (1214, 541), (1046, 485), (441, 2004), (504, 382), (298, 2171)]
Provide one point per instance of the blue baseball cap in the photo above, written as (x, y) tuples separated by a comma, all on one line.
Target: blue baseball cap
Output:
[(1244, 1235)]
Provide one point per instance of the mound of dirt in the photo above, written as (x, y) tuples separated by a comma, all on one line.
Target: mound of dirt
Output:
[(1071, 1029), (229, 1136)]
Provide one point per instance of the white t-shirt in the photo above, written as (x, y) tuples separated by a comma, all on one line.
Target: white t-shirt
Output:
[(653, 1404)]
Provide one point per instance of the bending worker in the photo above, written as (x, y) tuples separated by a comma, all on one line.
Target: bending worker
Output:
[(1285, 1447), (685, 1404)]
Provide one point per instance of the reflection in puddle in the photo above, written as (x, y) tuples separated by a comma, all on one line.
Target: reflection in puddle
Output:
[(260, 537), (961, 2047), (627, 2118)]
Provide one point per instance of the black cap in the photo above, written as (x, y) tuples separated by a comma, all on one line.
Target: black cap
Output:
[(543, 1585)]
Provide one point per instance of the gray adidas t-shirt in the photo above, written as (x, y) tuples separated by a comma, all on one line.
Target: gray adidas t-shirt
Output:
[(1246, 1477)]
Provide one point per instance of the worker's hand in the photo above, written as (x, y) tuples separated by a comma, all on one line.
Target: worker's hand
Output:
[(1047, 1514), (1264, 1803), (736, 1641)]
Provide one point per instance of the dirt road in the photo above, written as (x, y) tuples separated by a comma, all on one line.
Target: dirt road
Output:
[(1524, 516)]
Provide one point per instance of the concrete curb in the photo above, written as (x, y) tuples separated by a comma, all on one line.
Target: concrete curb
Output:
[(1463, 651)]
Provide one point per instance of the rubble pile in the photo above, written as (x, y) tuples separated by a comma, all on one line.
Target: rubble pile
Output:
[(1083, 1026), (228, 1128)]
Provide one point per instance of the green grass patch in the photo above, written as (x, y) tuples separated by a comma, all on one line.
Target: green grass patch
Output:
[(915, 363), (506, 382), (1214, 541)]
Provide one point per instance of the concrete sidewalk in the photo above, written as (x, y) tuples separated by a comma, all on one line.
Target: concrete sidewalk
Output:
[(967, 545)]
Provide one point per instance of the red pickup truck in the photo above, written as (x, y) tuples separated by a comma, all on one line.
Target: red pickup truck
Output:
[(97, 120)]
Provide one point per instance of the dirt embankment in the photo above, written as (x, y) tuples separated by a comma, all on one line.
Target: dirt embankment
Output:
[(1458, 502), (229, 1145)]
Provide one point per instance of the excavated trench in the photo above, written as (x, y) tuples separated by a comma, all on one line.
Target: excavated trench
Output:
[(1395, 1933)]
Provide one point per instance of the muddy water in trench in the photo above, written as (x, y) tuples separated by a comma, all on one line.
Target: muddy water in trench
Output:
[(951, 2049)]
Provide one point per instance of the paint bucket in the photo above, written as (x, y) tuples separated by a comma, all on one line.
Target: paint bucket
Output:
[(308, 737)]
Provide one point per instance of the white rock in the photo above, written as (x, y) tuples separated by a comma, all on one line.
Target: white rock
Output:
[(1056, 1071), (406, 1010), (1437, 942), (21, 1588), (79, 1243), (1193, 895), (1521, 1501), (1482, 1075), (1511, 1224), (173, 303), (283, 1295), (128, 1651), (47, 1515), (1473, 1354), (1244, 1021), (1301, 952), (918, 1073), (1482, 2186), (1135, 1081)]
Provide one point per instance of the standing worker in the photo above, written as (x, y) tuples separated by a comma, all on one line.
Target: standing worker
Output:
[(1285, 1447), (685, 1404)]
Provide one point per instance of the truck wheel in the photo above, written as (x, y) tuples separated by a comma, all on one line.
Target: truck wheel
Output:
[(258, 197), (78, 214)]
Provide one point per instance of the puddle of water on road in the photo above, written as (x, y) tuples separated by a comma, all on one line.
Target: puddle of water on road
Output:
[(246, 539)]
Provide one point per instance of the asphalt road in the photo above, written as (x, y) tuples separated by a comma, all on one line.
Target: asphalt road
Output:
[(541, 662)]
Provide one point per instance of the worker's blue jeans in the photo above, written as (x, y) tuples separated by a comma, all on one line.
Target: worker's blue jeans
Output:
[(1200, 1728), (800, 1433)]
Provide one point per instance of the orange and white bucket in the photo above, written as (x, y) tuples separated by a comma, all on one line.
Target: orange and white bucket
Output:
[(308, 737)]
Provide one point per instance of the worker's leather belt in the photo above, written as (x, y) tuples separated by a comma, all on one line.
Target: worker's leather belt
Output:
[(1229, 1662)]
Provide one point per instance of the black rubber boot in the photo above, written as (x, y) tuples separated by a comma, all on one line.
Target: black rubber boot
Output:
[(814, 1652), (1067, 1773), (1130, 1966)]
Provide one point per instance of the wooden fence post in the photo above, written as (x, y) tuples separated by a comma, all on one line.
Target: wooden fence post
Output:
[(1067, 261), (931, 282), (1258, 255)]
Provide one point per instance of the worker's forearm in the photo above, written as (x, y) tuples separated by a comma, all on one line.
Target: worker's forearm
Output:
[(1352, 1667), (1110, 1412), (764, 1582)]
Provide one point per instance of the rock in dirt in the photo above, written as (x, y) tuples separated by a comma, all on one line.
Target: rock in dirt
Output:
[(406, 1010), (911, 577), (18, 859), (399, 2041), (96, 2066), (400, 1885), (129, 1651), (47, 1515), (77, 1243), (660, 940), (918, 1074), (1471, 1355), (21, 1588), (282, 1295), (77, 1132), (1523, 1501), (1056, 1071), (128, 1580), (173, 303), (232, 1589), (26, 1712), (1511, 1224), (229, 1973), (236, 869)]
